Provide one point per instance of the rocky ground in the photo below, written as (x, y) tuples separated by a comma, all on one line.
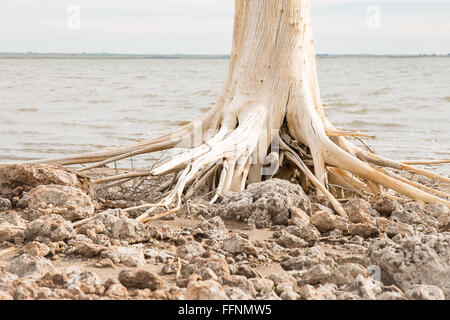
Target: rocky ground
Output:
[(271, 241)]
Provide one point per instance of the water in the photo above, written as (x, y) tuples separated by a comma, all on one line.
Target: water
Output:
[(51, 108)]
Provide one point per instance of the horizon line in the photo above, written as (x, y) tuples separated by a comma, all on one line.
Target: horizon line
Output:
[(227, 55)]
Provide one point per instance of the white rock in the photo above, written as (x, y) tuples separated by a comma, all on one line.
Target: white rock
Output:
[(130, 256), (27, 266), (423, 259), (71, 203), (190, 249), (50, 227), (236, 244), (205, 290), (425, 292)]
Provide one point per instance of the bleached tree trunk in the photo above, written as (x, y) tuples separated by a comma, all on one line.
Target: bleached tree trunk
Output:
[(272, 81)]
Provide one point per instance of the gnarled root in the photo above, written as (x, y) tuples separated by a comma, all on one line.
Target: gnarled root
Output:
[(233, 147), (181, 137), (305, 125)]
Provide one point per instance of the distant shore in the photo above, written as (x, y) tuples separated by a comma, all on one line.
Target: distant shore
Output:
[(33, 55)]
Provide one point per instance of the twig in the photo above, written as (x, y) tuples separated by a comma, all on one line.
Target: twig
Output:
[(7, 251), (161, 215), (424, 162), (12, 227), (79, 223), (348, 134), (179, 268)]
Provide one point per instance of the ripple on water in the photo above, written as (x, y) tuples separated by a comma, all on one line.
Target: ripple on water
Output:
[(382, 91), (130, 110), (359, 111), (28, 109), (423, 107), (149, 95), (136, 120), (389, 110), (99, 101), (172, 123), (337, 104), (15, 158), (363, 123)]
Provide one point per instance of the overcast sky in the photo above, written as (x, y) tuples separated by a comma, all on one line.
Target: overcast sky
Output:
[(205, 26)]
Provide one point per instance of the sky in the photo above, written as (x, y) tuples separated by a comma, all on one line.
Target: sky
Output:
[(205, 26)]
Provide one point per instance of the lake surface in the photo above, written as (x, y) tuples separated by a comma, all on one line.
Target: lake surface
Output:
[(55, 107)]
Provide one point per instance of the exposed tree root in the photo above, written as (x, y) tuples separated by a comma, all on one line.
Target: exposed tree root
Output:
[(418, 185), (8, 251), (232, 151), (422, 162), (12, 227), (270, 103), (298, 161), (348, 134), (159, 216)]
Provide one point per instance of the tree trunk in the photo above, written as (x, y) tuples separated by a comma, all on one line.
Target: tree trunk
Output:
[(272, 81)]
